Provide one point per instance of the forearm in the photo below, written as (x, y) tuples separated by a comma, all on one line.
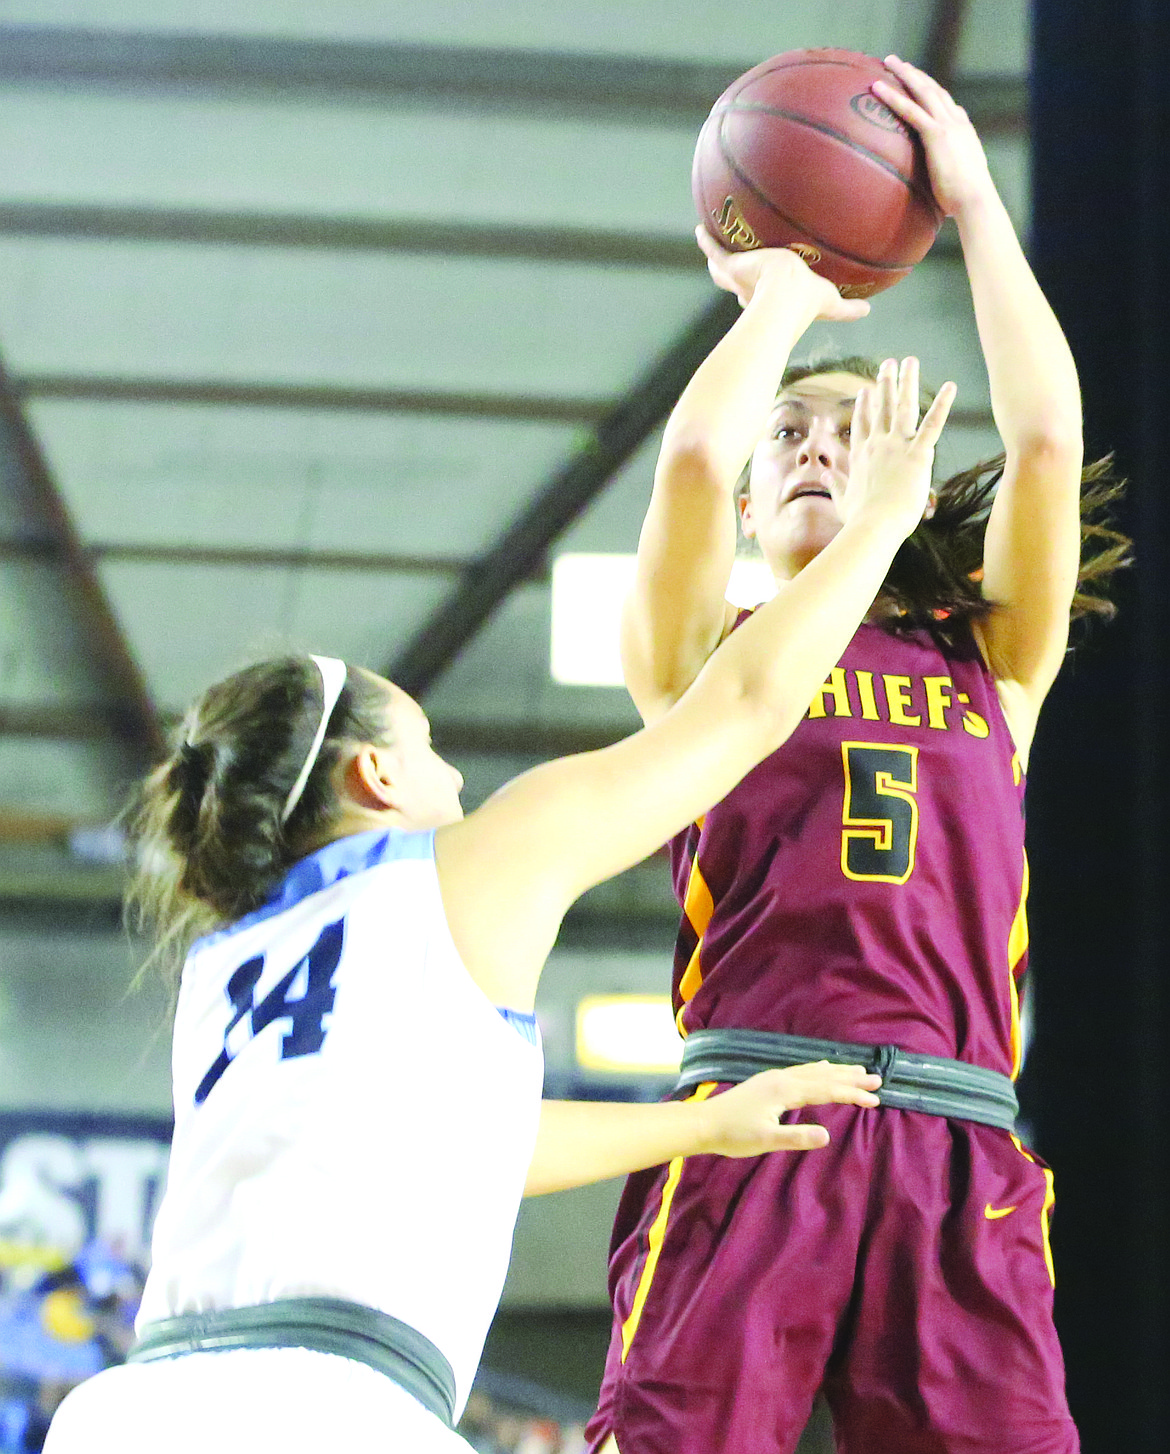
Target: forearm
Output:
[(1031, 548), (723, 411), (586, 1141), (674, 617), (1035, 396)]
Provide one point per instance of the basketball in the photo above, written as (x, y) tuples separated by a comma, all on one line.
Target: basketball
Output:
[(799, 152)]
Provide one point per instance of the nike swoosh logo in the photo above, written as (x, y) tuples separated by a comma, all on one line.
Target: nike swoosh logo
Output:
[(994, 1213)]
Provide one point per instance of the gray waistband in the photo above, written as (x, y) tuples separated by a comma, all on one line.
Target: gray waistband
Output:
[(910, 1082), (322, 1324)]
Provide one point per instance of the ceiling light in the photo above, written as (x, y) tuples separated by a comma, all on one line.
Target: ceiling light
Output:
[(587, 596), (631, 1033)]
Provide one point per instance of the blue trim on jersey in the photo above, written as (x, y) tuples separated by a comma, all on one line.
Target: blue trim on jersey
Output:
[(524, 1025), (329, 865)]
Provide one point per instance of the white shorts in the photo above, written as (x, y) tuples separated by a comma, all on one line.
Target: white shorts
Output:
[(247, 1400)]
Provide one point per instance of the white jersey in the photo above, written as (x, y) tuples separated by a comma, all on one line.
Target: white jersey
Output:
[(353, 1117)]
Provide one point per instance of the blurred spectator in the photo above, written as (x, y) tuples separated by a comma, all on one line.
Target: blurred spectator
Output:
[(59, 1325), (492, 1427), (61, 1321)]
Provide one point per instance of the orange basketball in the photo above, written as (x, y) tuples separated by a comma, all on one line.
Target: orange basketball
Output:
[(799, 152)]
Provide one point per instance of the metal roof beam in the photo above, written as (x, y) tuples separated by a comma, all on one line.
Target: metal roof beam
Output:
[(56, 723), (630, 89), (500, 79), (539, 741), (247, 557), (523, 547), (100, 388), (247, 394), (134, 710), (941, 52), (51, 897), (538, 243), (574, 245)]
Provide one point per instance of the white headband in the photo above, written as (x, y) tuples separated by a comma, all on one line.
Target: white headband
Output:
[(332, 680)]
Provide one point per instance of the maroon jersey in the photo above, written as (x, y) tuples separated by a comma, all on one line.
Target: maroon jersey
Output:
[(867, 881)]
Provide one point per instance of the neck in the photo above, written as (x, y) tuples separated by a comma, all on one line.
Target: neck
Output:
[(354, 819)]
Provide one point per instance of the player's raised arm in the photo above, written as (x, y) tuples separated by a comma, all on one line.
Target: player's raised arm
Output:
[(512, 868), (676, 614), (585, 1141), (1032, 546)]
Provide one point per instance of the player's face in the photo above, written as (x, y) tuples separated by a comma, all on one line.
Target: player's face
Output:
[(428, 787), (799, 472)]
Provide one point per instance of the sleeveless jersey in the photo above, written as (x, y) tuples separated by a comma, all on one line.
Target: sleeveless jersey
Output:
[(867, 881), (353, 1117)]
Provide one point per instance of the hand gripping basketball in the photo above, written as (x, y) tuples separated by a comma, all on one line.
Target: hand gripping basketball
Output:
[(954, 153), (742, 272)]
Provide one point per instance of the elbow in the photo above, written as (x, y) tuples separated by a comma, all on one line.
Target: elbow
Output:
[(690, 457), (1053, 442)]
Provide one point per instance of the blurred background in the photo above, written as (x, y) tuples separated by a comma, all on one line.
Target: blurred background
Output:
[(335, 328)]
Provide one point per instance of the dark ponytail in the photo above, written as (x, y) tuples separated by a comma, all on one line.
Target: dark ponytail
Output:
[(206, 825)]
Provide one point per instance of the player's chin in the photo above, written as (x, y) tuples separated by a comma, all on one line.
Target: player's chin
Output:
[(814, 513), (807, 525)]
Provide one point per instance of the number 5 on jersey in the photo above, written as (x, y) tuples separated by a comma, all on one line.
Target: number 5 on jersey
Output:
[(306, 1011), (880, 818)]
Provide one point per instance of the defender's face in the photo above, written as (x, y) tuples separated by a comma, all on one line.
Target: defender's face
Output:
[(800, 471), (428, 787)]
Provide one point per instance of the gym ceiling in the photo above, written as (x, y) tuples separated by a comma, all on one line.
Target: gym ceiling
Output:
[(328, 326)]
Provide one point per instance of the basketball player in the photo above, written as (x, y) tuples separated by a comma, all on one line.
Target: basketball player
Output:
[(357, 1074), (859, 895)]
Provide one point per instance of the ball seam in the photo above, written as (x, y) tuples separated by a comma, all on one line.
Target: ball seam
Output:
[(758, 108), (832, 247)]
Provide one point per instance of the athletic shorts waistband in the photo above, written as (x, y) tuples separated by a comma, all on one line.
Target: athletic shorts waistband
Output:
[(321, 1324), (910, 1081)]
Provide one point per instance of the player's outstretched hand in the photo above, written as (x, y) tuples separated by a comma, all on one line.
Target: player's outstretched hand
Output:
[(891, 454), (742, 272), (744, 1121), (954, 153)]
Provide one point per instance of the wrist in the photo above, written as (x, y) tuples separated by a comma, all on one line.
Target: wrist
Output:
[(978, 206), (884, 525), (782, 293), (704, 1134)]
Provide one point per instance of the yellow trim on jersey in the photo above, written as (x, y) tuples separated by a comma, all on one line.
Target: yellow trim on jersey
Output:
[(657, 1235), (1015, 1033), (1046, 1209), (698, 906), (692, 978), (1017, 948)]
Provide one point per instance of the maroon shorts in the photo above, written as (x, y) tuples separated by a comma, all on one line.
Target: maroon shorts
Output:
[(905, 1268)]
